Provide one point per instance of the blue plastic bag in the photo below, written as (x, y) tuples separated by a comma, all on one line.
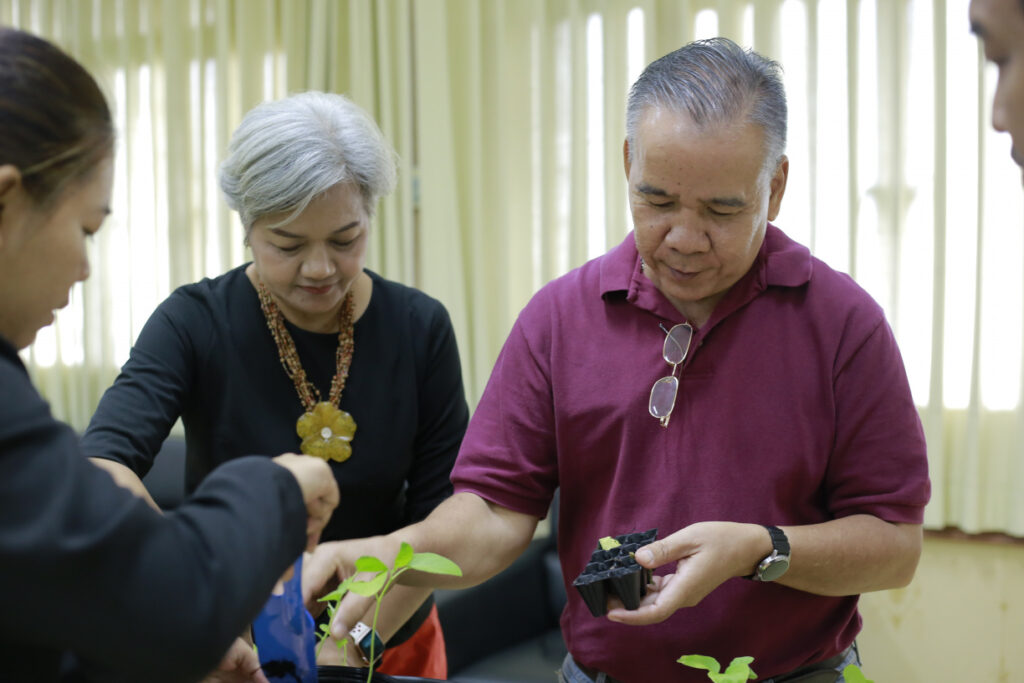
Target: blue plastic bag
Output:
[(285, 635)]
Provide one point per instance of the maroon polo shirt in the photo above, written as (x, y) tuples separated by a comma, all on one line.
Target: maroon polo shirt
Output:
[(793, 408)]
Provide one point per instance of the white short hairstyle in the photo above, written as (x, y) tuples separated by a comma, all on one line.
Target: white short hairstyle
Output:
[(288, 152)]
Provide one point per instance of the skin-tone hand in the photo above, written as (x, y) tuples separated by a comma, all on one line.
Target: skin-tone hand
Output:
[(706, 554), (845, 556), (239, 665), (332, 563), (319, 490), (322, 571)]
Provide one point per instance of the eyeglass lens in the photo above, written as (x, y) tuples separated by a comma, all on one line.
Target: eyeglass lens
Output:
[(677, 344)]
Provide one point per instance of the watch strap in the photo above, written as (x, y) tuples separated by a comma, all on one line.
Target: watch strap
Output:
[(780, 549), (779, 541)]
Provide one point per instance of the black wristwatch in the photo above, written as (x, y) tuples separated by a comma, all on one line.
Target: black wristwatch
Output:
[(776, 564)]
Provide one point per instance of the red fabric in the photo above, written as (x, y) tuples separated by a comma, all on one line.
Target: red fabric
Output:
[(422, 655)]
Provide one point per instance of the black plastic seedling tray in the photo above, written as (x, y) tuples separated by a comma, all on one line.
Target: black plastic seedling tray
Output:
[(615, 572)]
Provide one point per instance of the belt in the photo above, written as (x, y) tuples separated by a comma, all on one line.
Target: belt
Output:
[(824, 666)]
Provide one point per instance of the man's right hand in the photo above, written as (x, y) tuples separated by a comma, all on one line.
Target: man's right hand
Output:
[(333, 562), (319, 490)]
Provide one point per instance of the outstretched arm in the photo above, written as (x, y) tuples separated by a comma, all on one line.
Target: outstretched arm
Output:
[(479, 536)]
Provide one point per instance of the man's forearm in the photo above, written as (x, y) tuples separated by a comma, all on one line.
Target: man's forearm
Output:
[(480, 537), (852, 555)]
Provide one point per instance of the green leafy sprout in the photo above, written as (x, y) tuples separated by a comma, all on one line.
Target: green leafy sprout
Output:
[(739, 669), (853, 674), (377, 586)]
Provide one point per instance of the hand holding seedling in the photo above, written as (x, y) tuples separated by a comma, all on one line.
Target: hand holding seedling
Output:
[(706, 555), (333, 562), (374, 579)]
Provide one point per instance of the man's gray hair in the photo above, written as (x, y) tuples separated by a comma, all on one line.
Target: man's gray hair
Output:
[(714, 82), (286, 153)]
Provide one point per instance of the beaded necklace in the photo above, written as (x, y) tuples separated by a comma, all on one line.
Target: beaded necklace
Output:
[(326, 430)]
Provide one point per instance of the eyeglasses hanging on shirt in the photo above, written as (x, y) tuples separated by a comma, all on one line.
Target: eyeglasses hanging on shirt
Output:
[(663, 393)]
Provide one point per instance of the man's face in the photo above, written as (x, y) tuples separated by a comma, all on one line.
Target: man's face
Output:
[(1000, 25), (701, 199)]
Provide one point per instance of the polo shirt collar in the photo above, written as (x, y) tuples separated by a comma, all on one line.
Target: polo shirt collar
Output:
[(780, 262)]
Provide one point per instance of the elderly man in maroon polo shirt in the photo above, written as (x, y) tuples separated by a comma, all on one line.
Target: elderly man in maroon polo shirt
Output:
[(1000, 25), (708, 377)]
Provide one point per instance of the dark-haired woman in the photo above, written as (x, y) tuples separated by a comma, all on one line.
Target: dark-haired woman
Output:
[(94, 584)]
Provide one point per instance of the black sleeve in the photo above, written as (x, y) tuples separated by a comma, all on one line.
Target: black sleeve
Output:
[(443, 416), (138, 410), (88, 568)]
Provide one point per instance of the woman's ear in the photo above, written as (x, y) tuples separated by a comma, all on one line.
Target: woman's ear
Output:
[(10, 177), (10, 183)]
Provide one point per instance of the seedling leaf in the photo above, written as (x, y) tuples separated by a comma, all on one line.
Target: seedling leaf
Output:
[(368, 563), (338, 593), (607, 543), (701, 662), (432, 563), (369, 588), (404, 555), (741, 667), (853, 674)]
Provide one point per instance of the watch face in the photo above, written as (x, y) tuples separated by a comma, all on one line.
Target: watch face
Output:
[(772, 567)]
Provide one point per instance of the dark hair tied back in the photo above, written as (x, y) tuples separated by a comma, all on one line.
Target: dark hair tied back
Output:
[(55, 125)]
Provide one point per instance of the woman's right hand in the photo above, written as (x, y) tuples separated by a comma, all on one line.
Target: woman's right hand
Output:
[(319, 490)]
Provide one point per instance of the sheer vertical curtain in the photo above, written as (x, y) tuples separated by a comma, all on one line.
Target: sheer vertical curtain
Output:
[(508, 116)]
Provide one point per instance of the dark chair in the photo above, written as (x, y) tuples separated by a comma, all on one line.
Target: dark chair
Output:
[(506, 629)]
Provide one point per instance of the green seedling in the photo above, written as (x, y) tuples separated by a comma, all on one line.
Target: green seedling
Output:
[(378, 585), (739, 669), (607, 543), (853, 674)]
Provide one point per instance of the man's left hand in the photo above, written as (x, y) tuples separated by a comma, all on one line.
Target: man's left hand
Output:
[(707, 554)]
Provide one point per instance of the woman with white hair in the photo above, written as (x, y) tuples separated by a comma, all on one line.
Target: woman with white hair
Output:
[(305, 348)]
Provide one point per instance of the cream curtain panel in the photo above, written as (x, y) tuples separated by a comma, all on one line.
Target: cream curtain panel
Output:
[(508, 117)]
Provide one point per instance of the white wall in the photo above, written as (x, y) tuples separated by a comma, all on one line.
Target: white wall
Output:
[(960, 621)]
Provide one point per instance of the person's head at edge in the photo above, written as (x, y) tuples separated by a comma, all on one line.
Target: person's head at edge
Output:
[(56, 165), (305, 174), (1000, 26), (704, 158)]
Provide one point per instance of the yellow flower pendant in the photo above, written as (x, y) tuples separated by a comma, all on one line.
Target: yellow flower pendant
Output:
[(326, 432)]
